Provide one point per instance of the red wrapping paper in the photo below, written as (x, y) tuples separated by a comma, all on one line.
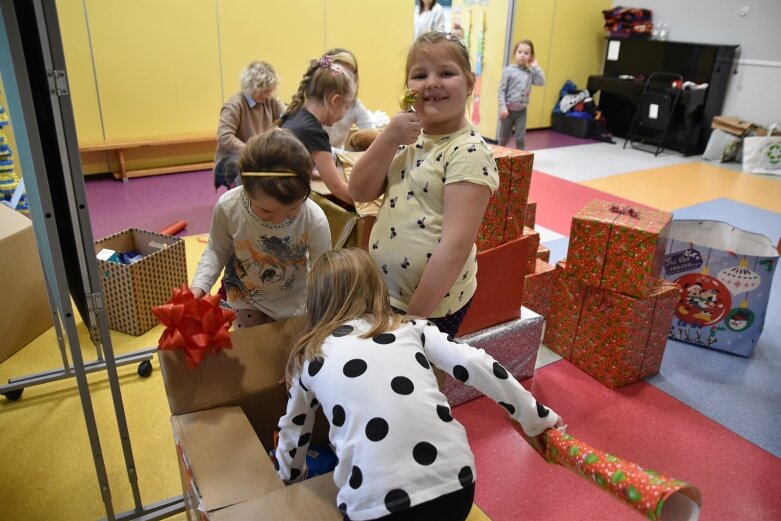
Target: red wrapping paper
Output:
[(615, 338), (646, 491), (505, 214), (534, 246), (197, 326), (537, 288), (618, 248), (530, 216)]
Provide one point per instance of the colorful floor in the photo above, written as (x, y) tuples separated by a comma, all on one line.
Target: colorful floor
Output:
[(709, 418)]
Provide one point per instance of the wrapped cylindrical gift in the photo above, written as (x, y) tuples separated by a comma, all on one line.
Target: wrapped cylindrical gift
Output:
[(653, 495)]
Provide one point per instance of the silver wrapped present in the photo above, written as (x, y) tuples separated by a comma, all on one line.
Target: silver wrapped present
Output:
[(513, 344)]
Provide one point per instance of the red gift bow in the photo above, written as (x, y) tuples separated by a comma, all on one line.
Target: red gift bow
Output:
[(198, 326), (628, 210)]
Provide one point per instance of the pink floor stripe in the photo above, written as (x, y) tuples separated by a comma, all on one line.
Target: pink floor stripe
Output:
[(738, 480), (558, 200)]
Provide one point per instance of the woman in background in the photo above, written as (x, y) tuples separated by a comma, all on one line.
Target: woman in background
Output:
[(429, 16), (245, 114)]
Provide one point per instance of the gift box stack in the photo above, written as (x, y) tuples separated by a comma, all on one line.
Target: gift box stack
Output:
[(610, 311)]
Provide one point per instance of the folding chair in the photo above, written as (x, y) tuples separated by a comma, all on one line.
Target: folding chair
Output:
[(655, 112)]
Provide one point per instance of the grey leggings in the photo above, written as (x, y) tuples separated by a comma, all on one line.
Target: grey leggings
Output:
[(517, 119)]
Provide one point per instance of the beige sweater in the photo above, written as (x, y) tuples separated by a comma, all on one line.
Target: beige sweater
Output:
[(239, 122)]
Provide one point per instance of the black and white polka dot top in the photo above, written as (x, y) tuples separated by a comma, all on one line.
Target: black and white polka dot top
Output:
[(397, 442)]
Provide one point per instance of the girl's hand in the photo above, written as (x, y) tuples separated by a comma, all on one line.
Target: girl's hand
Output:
[(503, 113), (533, 62), (197, 292), (404, 128)]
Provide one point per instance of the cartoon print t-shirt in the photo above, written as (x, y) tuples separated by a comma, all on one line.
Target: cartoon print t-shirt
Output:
[(409, 223), (265, 263)]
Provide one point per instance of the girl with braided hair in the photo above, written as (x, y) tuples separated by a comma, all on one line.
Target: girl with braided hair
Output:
[(326, 91)]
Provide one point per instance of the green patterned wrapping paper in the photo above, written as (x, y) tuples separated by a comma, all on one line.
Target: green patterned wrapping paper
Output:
[(653, 495), (618, 248), (615, 338), (530, 216), (537, 288), (505, 214), (566, 299)]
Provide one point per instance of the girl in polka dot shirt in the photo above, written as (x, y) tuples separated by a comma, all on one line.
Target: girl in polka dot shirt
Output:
[(436, 183), (401, 453)]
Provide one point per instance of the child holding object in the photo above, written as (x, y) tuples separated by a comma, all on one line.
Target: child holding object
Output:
[(401, 454), (265, 232), (325, 93), (515, 88), (436, 184)]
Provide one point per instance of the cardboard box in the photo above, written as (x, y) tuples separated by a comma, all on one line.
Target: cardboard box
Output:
[(24, 310), (130, 291), (537, 288), (617, 339), (530, 217), (534, 246), (543, 253), (506, 212), (224, 413), (514, 344), (618, 248), (500, 277), (731, 125)]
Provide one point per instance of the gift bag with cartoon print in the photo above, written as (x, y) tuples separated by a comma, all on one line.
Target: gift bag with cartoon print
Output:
[(725, 275)]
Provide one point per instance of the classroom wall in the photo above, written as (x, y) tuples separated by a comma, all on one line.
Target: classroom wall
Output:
[(569, 43), (147, 68), (752, 91)]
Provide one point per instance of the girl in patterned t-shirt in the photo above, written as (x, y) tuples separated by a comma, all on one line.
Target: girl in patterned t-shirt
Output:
[(436, 184), (400, 450), (265, 233)]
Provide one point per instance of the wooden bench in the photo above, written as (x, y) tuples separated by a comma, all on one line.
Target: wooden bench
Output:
[(120, 146)]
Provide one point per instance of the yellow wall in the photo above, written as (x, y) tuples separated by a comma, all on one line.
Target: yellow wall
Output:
[(147, 68), (569, 43), (8, 131), (495, 15)]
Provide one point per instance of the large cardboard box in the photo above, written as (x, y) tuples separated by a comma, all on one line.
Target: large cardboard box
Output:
[(130, 291), (615, 338), (500, 277), (24, 306), (224, 413), (506, 212), (618, 248)]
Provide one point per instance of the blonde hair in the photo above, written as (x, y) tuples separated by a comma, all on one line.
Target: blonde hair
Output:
[(258, 75), (343, 285), (277, 150), (455, 47), (324, 77)]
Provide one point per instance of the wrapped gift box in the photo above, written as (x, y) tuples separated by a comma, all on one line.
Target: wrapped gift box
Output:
[(617, 339), (543, 253), (506, 211), (566, 298), (531, 214), (618, 248), (513, 344), (500, 277), (534, 246), (537, 288)]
